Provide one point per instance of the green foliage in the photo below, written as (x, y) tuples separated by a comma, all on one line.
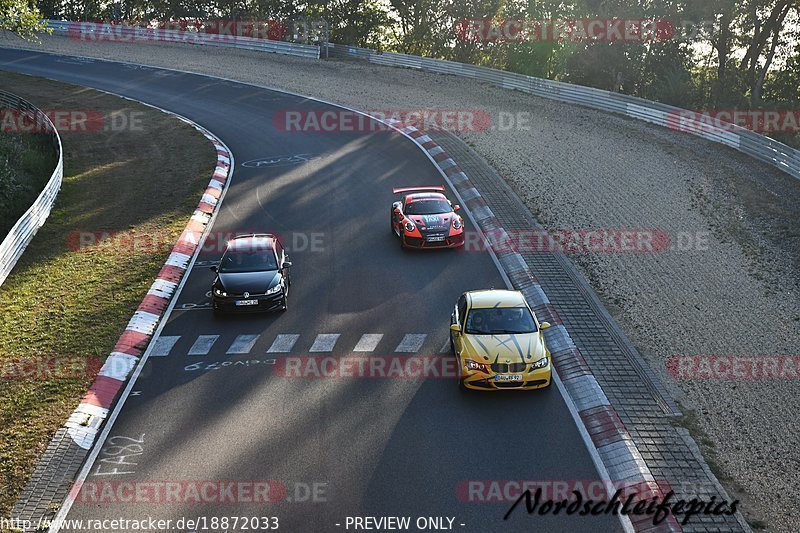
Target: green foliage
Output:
[(21, 18)]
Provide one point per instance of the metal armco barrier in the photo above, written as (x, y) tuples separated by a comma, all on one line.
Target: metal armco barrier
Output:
[(26, 227), (90, 31), (753, 144)]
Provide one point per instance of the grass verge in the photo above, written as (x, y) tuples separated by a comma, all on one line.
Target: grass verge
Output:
[(27, 161), (68, 301)]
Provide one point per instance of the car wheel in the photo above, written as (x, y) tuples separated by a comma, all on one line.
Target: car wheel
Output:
[(452, 346), (461, 386), (285, 302), (217, 311)]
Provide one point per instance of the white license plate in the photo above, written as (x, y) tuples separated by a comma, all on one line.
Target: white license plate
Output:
[(508, 377), (435, 239), (246, 302)]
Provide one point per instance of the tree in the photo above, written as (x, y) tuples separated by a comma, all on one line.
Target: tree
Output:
[(20, 18)]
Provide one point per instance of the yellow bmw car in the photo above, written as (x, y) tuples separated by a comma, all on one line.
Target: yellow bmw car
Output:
[(498, 342)]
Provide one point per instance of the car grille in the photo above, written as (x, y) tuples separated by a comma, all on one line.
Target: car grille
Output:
[(241, 295), (505, 368), (519, 384), (508, 384)]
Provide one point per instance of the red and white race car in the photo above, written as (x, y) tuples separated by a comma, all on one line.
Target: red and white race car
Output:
[(425, 218)]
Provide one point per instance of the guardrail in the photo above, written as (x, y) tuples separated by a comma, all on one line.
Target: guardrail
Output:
[(20, 235), (748, 142), (90, 31)]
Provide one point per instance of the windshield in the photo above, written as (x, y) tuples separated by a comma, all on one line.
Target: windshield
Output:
[(428, 207), (248, 261), (500, 320)]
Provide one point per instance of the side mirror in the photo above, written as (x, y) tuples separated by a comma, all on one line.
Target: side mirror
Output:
[(456, 207), (544, 325), (286, 264), (455, 328), (213, 268)]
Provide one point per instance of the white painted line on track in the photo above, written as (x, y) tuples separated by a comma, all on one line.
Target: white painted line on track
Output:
[(324, 342), (368, 342), (203, 344), (412, 342), (163, 345), (283, 343), (242, 344)]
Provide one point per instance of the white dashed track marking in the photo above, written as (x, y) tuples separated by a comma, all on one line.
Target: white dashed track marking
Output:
[(203, 344)]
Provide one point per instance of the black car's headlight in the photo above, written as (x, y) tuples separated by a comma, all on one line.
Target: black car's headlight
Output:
[(274, 290), (218, 291), (541, 363)]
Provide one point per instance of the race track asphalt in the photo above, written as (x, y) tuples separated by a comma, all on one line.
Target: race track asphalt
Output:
[(371, 447)]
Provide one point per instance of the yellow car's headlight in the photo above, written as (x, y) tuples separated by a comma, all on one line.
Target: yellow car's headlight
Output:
[(474, 365), (541, 363)]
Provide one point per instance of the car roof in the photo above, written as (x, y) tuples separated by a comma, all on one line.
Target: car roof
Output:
[(252, 242), (495, 298)]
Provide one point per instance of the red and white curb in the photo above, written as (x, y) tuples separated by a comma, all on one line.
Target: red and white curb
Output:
[(85, 422), (613, 442)]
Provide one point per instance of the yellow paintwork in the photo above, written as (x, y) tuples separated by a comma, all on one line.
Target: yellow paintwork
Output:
[(520, 348)]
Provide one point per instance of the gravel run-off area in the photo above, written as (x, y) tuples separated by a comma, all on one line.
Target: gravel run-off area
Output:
[(732, 287)]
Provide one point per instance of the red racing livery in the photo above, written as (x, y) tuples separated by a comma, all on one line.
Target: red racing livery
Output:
[(425, 218)]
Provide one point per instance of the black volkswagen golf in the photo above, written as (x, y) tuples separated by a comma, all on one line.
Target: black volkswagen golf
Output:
[(253, 275)]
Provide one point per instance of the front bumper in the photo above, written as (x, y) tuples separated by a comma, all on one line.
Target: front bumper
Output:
[(227, 304), (531, 379), (449, 241)]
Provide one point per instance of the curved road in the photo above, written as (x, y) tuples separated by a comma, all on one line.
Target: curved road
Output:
[(368, 447)]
